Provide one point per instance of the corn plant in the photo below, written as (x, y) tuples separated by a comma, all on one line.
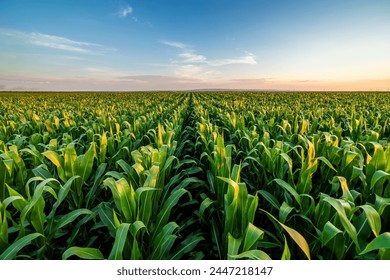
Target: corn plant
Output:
[(199, 175)]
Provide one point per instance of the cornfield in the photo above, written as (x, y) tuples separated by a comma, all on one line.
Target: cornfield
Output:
[(181, 175)]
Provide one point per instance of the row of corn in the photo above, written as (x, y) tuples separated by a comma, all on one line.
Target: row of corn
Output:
[(194, 175), (323, 191)]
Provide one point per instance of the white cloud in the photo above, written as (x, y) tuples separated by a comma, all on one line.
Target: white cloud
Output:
[(188, 70), (55, 42), (59, 43), (190, 57), (189, 63), (248, 59), (125, 11), (177, 45)]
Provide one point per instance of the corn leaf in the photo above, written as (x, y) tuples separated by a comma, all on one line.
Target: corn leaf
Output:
[(374, 220), (252, 255), (380, 242), (120, 241), (83, 253), (84, 166), (163, 215), (286, 255), (252, 235), (296, 236), (348, 226), (11, 252), (233, 246), (70, 217), (187, 246), (289, 189)]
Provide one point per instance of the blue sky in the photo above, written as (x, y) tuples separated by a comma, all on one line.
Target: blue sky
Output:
[(192, 44)]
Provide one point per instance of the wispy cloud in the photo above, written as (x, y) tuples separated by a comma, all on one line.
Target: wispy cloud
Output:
[(60, 43), (125, 11), (190, 57), (55, 42), (97, 70), (190, 63), (174, 44), (104, 72), (249, 58)]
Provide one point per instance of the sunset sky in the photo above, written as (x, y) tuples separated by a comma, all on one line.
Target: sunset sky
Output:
[(194, 44)]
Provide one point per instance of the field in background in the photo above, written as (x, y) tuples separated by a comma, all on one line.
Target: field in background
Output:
[(173, 175)]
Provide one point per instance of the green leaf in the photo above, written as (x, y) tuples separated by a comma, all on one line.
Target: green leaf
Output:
[(252, 255), (106, 216), (327, 162), (187, 246), (10, 200), (40, 188), (86, 163), (374, 220), (286, 251), (145, 195), (250, 208), (38, 216), (70, 161), (233, 246), (135, 228), (252, 235), (83, 253), (284, 211), (163, 242), (11, 252), (19, 204), (295, 235), (111, 184), (42, 171), (63, 193), (216, 237), (4, 174), (163, 215), (333, 238), (119, 243), (380, 242), (125, 166), (378, 160), (127, 200), (206, 203), (381, 203), (378, 180), (92, 194), (70, 217), (270, 198), (329, 232), (347, 196), (351, 230), (289, 189)]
